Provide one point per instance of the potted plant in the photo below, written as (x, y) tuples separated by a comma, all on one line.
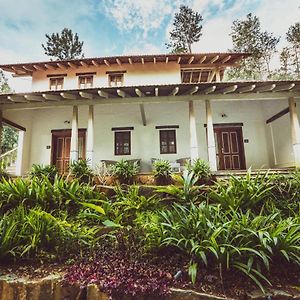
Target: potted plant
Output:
[(162, 172), (125, 171)]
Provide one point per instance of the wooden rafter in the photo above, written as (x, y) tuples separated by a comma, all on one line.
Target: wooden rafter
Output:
[(285, 87), (167, 59), (139, 93), (191, 59), (51, 97), (130, 60), (39, 68), (193, 90), (68, 96), (266, 88), (214, 59), (118, 62), (226, 59), (95, 63), (202, 59), (72, 65), (33, 98), (106, 62), (86, 95), (230, 89), (209, 89), (178, 59), (174, 91), (142, 60), (103, 94), (122, 93), (156, 92), (247, 88), (84, 64), (50, 67)]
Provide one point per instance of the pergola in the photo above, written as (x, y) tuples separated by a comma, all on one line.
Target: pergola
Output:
[(208, 91)]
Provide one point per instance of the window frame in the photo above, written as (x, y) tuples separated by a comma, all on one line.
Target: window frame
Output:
[(115, 74), (56, 78), (85, 77), (168, 141), (117, 135)]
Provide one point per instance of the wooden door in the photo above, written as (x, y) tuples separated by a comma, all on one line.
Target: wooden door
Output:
[(61, 146), (230, 148)]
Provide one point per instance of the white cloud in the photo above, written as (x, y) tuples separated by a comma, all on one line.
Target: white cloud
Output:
[(143, 15), (143, 48)]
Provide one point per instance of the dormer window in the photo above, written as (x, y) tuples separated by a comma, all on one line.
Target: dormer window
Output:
[(56, 83), (194, 75), (85, 81), (115, 78)]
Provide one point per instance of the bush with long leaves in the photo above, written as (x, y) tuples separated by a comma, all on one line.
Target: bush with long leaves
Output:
[(228, 239)]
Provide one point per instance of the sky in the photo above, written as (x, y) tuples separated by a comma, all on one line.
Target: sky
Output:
[(116, 27)]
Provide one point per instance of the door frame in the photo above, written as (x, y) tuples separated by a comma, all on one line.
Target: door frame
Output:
[(55, 133), (240, 141)]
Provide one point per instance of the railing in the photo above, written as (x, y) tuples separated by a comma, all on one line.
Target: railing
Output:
[(8, 158)]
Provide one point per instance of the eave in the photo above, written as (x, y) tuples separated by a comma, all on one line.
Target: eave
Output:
[(220, 60), (251, 90)]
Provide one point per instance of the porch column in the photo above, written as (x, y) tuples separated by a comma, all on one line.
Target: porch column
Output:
[(295, 130), (211, 146), (193, 132), (19, 160), (90, 137), (74, 135)]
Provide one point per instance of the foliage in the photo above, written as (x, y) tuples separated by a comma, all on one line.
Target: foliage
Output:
[(61, 195), (80, 170), (9, 139), (4, 87), (162, 171), (64, 45), (243, 192), (228, 239), (186, 189), (119, 275), (200, 168), (248, 36), (29, 232), (290, 55), (186, 30), (125, 170), (41, 171)]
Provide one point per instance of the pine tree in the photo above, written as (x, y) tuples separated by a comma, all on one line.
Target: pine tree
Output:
[(247, 36), (187, 29), (63, 46)]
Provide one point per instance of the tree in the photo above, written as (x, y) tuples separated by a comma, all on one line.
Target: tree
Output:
[(9, 135), (63, 46), (186, 30), (4, 87), (293, 37), (247, 36)]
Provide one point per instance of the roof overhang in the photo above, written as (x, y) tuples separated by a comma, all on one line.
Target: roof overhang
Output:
[(221, 60), (251, 90)]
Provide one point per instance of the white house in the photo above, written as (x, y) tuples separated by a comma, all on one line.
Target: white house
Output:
[(169, 106)]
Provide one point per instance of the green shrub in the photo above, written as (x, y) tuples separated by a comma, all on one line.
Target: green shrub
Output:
[(125, 171), (243, 192), (41, 171), (186, 189), (162, 171), (201, 169), (27, 233), (79, 169), (59, 195), (231, 240)]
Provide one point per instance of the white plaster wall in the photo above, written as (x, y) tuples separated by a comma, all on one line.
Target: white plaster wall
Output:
[(144, 139), (282, 151), (136, 74)]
